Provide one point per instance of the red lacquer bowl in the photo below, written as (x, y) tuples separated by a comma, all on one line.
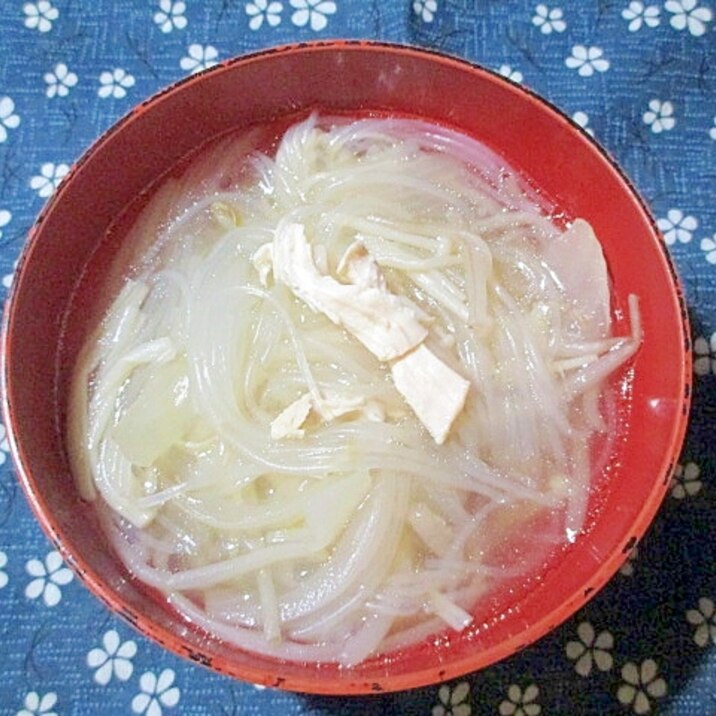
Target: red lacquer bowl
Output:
[(46, 319)]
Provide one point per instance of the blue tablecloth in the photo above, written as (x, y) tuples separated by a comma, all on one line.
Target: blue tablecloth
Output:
[(641, 77)]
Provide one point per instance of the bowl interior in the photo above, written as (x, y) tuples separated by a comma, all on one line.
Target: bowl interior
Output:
[(67, 260)]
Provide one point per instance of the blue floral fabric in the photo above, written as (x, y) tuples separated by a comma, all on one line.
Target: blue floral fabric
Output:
[(642, 77)]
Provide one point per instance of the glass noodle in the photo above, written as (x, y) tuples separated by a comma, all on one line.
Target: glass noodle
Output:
[(255, 457)]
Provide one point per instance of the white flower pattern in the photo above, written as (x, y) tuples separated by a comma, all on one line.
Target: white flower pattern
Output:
[(260, 10), (582, 119), (587, 60), (40, 15), (49, 576), (36, 705), (685, 482), (627, 569), (198, 58), (5, 218), (115, 83), (549, 19), (155, 692), (312, 12), (704, 619), (49, 178), (677, 226), (8, 118), (641, 684), (3, 573), (659, 117), (712, 131), (7, 280), (4, 445), (639, 14), (114, 657), (425, 9), (591, 649), (59, 81), (705, 354), (520, 703), (687, 14), (708, 246), (170, 15), (453, 701), (510, 74)]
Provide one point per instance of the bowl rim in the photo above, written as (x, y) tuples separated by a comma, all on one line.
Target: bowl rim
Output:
[(419, 676)]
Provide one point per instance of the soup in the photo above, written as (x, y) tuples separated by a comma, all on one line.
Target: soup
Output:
[(354, 391)]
